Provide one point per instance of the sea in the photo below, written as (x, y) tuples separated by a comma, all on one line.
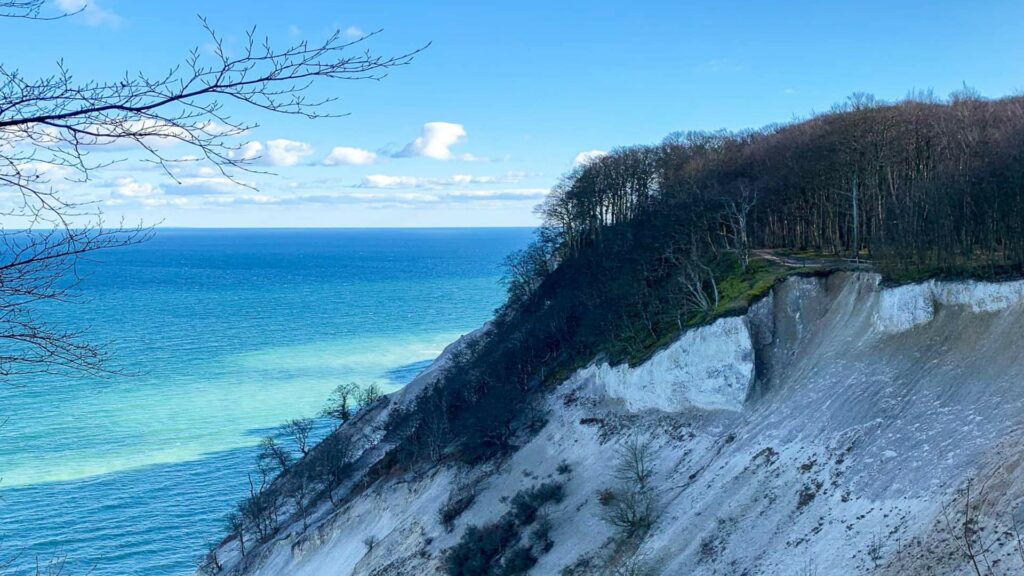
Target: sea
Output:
[(216, 337)]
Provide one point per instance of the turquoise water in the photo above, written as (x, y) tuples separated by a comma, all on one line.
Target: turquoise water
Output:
[(222, 334)]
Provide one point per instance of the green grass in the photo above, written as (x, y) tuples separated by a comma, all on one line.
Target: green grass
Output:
[(978, 268), (737, 290)]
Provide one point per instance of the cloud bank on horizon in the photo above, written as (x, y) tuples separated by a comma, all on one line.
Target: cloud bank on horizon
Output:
[(287, 173)]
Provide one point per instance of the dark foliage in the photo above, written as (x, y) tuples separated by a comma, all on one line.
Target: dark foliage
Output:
[(519, 560), (458, 502), (526, 504), (496, 549), (477, 552)]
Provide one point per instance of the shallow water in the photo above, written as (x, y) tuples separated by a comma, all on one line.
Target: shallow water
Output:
[(222, 334)]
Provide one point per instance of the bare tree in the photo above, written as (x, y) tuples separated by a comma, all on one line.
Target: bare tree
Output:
[(235, 523), (209, 563), (339, 405), (52, 565), (635, 462), (369, 395), (434, 425), (334, 461), (51, 126), (966, 531), (302, 491), (27, 9), (274, 454), (631, 507), (735, 220), (255, 509), (696, 278), (299, 430)]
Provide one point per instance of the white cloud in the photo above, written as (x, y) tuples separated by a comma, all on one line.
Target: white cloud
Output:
[(588, 157), (248, 151), (436, 141), (205, 185), (90, 11), (131, 188), (384, 198), (344, 155), (385, 181), (512, 194), (279, 152), (48, 172), (282, 152), (127, 190), (353, 33)]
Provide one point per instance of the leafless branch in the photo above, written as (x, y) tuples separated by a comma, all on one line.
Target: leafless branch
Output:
[(50, 128)]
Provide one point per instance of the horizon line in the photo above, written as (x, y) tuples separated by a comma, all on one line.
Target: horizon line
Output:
[(158, 227)]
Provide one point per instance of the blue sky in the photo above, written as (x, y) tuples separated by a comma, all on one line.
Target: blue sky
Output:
[(509, 95)]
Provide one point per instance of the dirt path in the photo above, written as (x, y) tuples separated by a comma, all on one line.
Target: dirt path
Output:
[(791, 261)]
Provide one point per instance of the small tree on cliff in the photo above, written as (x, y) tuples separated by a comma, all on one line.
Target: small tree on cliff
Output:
[(274, 454), (369, 395), (235, 523), (339, 405), (298, 430)]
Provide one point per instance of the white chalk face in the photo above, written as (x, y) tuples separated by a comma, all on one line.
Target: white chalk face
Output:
[(710, 367), (905, 307)]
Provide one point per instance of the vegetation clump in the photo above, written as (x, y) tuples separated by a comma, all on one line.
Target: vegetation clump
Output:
[(631, 507), (499, 548), (458, 502)]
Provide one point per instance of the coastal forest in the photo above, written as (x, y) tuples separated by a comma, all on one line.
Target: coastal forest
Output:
[(646, 241)]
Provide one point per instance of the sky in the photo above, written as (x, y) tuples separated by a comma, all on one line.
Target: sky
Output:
[(508, 96)]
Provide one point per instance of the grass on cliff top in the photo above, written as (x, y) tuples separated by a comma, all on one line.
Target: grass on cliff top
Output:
[(737, 290)]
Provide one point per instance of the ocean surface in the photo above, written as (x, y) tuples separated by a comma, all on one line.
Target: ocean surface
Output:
[(221, 335)]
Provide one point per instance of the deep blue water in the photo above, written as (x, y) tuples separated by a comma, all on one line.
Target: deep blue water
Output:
[(222, 335)]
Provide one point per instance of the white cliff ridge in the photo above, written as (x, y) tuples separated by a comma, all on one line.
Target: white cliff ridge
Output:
[(710, 367), (828, 431)]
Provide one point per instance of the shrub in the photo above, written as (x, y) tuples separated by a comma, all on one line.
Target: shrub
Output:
[(458, 502), (540, 538), (370, 542), (479, 548), (527, 503), (519, 560), (495, 549)]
